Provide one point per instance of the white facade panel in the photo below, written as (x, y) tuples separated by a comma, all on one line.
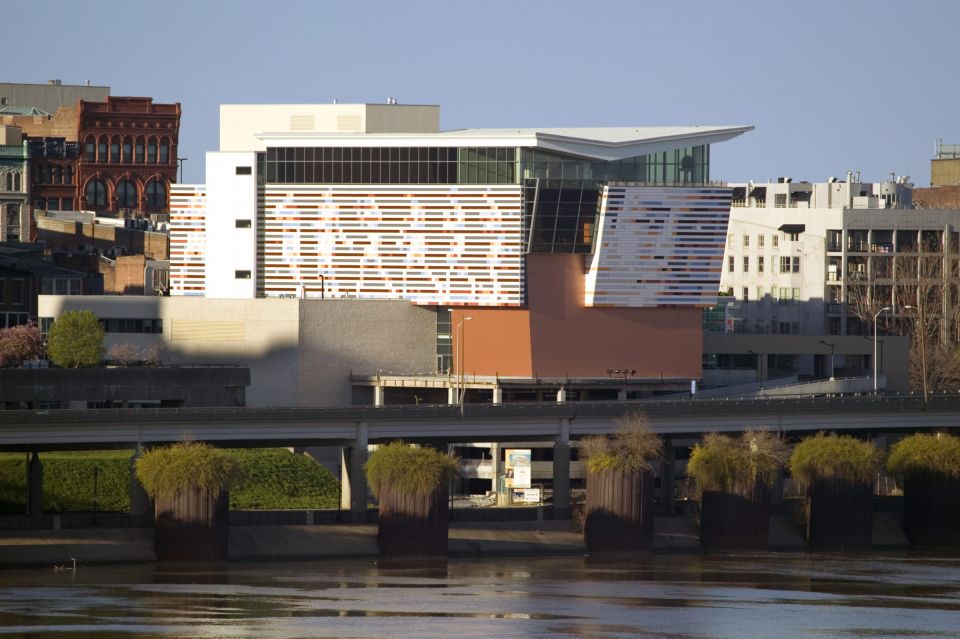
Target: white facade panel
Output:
[(658, 247), (231, 223), (430, 244)]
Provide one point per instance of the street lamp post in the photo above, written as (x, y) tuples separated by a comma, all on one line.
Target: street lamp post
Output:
[(832, 347), (876, 362), (181, 161), (460, 378)]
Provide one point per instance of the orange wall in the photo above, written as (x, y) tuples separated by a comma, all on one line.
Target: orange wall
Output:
[(556, 336), (496, 341)]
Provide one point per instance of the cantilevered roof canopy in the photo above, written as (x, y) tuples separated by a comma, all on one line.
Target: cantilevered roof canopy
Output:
[(599, 143)]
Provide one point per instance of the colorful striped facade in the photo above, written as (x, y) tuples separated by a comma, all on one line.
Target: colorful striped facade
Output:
[(188, 236), (658, 247)]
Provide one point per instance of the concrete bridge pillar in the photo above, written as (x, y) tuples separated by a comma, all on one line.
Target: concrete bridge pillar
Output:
[(34, 485), (139, 501), (452, 396), (378, 395), (561, 471), (353, 492), (497, 395), (667, 480)]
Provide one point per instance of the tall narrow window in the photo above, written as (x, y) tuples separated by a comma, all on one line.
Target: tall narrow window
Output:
[(138, 158), (90, 149), (164, 152), (115, 151), (730, 264), (96, 194), (102, 150), (126, 195), (152, 152), (156, 195), (746, 264), (127, 151), (16, 181), (68, 175)]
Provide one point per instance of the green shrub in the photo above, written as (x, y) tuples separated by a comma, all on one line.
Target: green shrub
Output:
[(68, 479), (271, 478), (76, 340), (408, 469), (834, 457), (630, 449), (168, 470), (735, 465), (926, 453), (275, 478)]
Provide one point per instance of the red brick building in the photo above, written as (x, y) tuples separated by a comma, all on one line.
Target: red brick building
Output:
[(128, 155)]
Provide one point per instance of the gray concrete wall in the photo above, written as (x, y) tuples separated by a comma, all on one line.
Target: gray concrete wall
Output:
[(192, 386), (340, 337)]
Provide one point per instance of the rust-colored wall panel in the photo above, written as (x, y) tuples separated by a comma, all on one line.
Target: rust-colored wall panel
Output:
[(556, 336), (496, 341)]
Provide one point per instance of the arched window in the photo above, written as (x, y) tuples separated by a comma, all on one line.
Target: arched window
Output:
[(45, 176), (115, 150), (96, 194), (164, 151), (9, 181), (58, 175), (102, 151), (152, 151), (156, 195), (68, 175), (139, 151), (127, 151), (16, 181), (126, 195), (90, 148)]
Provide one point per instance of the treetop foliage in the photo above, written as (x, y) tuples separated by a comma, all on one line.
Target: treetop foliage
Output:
[(76, 340)]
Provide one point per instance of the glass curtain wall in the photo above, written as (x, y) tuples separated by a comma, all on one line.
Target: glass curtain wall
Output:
[(390, 165)]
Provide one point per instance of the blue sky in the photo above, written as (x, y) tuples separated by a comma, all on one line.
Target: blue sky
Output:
[(831, 86)]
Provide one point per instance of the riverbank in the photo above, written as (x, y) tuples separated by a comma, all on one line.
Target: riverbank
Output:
[(671, 534)]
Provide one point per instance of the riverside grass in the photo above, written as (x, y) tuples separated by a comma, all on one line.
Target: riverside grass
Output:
[(271, 478), (409, 470), (736, 464), (834, 457), (631, 448), (926, 453)]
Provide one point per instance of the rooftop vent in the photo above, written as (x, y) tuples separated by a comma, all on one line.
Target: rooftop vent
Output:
[(55, 82)]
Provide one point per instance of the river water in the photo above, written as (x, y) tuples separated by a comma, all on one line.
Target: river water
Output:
[(672, 596)]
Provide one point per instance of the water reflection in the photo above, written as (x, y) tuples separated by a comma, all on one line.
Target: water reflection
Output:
[(675, 596)]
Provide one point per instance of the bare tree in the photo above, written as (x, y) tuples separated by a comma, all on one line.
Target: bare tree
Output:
[(924, 302)]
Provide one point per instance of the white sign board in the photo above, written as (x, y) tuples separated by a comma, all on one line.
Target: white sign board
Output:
[(526, 495)]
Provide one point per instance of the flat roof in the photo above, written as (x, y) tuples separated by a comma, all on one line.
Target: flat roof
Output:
[(600, 143)]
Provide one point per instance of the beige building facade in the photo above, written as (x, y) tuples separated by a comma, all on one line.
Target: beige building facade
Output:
[(300, 352)]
